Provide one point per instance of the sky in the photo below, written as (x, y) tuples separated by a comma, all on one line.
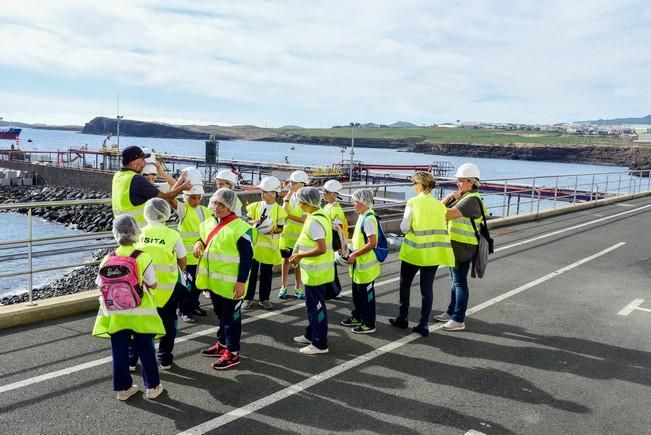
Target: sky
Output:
[(323, 63)]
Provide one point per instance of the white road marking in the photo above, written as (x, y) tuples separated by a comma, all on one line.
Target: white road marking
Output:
[(91, 364), (474, 432), (341, 368), (573, 227), (635, 305)]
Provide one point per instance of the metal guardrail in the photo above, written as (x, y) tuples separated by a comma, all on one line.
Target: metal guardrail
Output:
[(528, 193)]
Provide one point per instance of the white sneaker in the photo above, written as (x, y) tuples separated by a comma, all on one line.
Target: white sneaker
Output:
[(125, 394), (312, 350), (300, 339), (248, 305), (165, 367), (451, 325), (444, 317), (133, 368), (152, 393)]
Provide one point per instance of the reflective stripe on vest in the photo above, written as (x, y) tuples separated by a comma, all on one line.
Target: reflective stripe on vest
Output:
[(120, 200), (143, 319), (291, 230), (159, 242), (267, 246), (189, 228), (219, 265), (461, 229), (427, 243), (320, 269), (366, 268)]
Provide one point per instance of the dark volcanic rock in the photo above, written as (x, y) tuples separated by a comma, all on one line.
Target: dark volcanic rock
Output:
[(104, 126)]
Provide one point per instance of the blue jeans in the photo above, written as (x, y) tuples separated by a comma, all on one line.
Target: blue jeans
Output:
[(317, 316), (459, 292)]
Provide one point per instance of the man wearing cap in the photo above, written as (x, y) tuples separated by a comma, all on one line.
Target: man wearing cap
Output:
[(130, 190)]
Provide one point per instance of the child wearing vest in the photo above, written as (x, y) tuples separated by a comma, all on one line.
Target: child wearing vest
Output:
[(191, 213), (142, 322), (335, 213), (316, 258), (268, 219), (225, 254), (165, 247), (291, 231), (364, 265)]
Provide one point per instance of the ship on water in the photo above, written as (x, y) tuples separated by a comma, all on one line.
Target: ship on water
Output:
[(10, 133)]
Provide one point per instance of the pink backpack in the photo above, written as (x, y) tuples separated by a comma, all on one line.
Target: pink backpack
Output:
[(118, 282)]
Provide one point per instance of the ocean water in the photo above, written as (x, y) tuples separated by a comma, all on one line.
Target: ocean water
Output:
[(54, 140)]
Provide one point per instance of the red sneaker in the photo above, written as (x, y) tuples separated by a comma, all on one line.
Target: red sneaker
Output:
[(214, 351), (226, 360)]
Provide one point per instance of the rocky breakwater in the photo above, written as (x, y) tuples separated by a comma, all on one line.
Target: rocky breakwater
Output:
[(89, 218), (608, 155)]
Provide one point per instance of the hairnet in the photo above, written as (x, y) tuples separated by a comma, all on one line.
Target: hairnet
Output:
[(125, 230), (157, 210), (309, 195), (224, 196), (365, 196)]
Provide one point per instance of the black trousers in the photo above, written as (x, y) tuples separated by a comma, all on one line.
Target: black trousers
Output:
[(407, 273), (266, 275)]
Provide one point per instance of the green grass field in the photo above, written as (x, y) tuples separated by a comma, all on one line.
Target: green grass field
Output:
[(461, 135)]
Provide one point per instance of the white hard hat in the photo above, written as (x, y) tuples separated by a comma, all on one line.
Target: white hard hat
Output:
[(196, 189), (332, 186), (266, 226), (467, 170), (150, 168), (269, 184), (226, 175), (151, 158), (193, 175), (340, 260), (299, 177)]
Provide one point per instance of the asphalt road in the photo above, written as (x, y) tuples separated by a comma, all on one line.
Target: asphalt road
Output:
[(557, 341)]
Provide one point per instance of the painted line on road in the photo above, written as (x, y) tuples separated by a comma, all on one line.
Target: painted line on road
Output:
[(573, 227), (337, 370), (209, 331), (91, 364), (635, 305)]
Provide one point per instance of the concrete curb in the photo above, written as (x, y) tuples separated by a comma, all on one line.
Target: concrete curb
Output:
[(84, 302)]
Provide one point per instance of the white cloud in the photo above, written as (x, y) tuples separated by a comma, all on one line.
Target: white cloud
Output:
[(298, 62)]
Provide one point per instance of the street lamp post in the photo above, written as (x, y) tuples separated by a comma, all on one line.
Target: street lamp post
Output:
[(119, 117), (352, 148)]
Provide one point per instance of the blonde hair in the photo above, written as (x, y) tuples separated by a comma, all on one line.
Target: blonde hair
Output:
[(426, 179)]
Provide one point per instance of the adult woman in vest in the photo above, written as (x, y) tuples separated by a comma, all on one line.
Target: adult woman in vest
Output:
[(191, 213), (464, 206), (142, 323), (364, 265), (291, 231), (165, 247), (425, 248), (335, 213), (225, 254), (313, 253), (268, 218)]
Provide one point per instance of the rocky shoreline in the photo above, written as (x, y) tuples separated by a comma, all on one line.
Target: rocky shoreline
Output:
[(88, 218)]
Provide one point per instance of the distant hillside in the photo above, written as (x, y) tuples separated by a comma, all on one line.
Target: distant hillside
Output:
[(402, 124), (40, 126), (104, 126), (617, 121)]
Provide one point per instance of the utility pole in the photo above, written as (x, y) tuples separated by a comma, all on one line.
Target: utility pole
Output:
[(119, 117), (352, 148)]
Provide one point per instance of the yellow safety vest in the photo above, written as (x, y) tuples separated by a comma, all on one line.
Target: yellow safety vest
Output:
[(334, 212), (219, 265), (366, 268), (427, 243), (461, 229), (189, 227), (120, 200), (143, 319), (158, 242), (320, 269), (292, 229), (266, 249)]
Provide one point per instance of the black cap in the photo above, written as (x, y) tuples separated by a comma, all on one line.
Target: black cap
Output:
[(129, 154)]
